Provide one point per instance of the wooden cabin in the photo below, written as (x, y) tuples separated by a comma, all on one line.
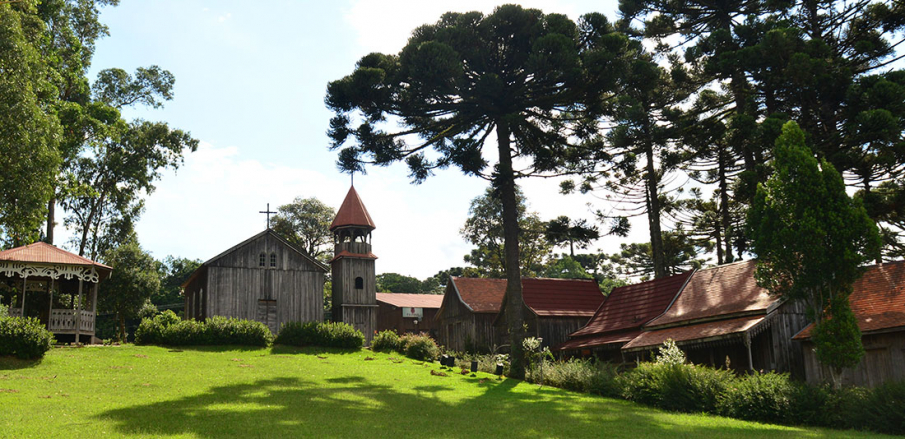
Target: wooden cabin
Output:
[(263, 278), (620, 317), (354, 267), (465, 319), (878, 302), (55, 286), (553, 309), (722, 316), (408, 313)]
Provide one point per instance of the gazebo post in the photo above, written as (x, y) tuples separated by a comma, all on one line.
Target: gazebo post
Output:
[(50, 305), (78, 315), (24, 285), (94, 307)]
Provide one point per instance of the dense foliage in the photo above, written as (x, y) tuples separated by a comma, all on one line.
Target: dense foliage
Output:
[(133, 281), (168, 330), (418, 346), (24, 337), (385, 341), (327, 335)]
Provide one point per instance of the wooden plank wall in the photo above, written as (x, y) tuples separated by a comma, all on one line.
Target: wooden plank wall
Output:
[(884, 360), (460, 329), (556, 330), (787, 320)]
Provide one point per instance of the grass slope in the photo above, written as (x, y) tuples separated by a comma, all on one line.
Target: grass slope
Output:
[(233, 392)]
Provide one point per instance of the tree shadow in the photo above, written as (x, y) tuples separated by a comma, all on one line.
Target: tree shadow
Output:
[(355, 407), (311, 350), (13, 363)]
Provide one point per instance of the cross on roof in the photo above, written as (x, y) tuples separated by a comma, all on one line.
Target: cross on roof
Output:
[(268, 212)]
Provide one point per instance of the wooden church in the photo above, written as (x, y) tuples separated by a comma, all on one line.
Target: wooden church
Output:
[(263, 278)]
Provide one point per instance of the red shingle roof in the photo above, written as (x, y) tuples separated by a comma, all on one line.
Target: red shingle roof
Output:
[(411, 300), (699, 333), (597, 340), (352, 213), (562, 297), (878, 299), (714, 292), (631, 306), (481, 295), (44, 253)]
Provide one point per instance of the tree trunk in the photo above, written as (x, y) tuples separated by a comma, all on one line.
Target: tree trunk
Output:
[(51, 220), (122, 328), (653, 210), (505, 181), (724, 205)]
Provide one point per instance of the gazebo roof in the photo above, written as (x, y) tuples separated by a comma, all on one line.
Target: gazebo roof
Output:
[(44, 253)]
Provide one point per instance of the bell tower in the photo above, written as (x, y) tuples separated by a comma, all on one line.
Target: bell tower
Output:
[(354, 275)]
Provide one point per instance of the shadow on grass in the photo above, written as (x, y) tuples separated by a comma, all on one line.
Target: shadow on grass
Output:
[(349, 408), (213, 348), (13, 363), (312, 350)]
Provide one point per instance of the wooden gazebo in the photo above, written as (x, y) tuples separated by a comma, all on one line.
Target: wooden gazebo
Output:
[(55, 286)]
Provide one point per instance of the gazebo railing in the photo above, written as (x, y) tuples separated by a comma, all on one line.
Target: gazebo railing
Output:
[(63, 320)]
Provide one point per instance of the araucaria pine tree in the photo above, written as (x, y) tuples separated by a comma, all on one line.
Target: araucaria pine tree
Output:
[(811, 240)]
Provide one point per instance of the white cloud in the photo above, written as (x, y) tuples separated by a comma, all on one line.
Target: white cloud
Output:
[(224, 17)]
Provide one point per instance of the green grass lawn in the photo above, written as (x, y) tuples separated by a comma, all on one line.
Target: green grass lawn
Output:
[(234, 392)]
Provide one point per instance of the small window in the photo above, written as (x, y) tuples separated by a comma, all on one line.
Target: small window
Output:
[(273, 260), (359, 283), (262, 260)]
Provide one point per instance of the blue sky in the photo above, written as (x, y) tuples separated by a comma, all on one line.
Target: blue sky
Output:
[(250, 83)]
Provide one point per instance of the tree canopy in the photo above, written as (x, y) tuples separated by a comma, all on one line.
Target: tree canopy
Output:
[(305, 223), (519, 75)]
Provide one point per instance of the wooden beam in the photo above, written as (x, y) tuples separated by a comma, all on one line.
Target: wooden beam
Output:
[(49, 305), (94, 300), (24, 289), (78, 315)]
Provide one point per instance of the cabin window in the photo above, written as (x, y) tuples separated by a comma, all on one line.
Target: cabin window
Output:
[(273, 260), (359, 283), (262, 259)]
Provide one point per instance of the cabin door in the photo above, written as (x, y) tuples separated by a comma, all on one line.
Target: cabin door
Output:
[(267, 313)]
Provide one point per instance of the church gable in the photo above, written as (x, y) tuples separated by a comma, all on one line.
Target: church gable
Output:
[(269, 251)]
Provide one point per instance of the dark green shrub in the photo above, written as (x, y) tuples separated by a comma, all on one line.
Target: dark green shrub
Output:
[(677, 387), (167, 329), (418, 346), (579, 375), (26, 338), (328, 335), (883, 409), (385, 341), (764, 397)]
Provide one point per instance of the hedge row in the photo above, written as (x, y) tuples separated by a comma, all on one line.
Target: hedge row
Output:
[(26, 338), (328, 335), (417, 346), (167, 329), (764, 397)]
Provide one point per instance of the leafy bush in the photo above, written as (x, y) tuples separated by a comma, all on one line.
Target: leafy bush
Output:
[(418, 346), (26, 338), (167, 329), (385, 341), (677, 387), (764, 397), (4, 311), (669, 353), (581, 376), (328, 335), (883, 409)]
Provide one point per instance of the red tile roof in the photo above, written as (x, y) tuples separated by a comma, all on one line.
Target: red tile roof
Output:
[(878, 299), (597, 340), (631, 306), (481, 295), (44, 253), (348, 254), (721, 291), (562, 297), (411, 300), (701, 332), (352, 213)]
